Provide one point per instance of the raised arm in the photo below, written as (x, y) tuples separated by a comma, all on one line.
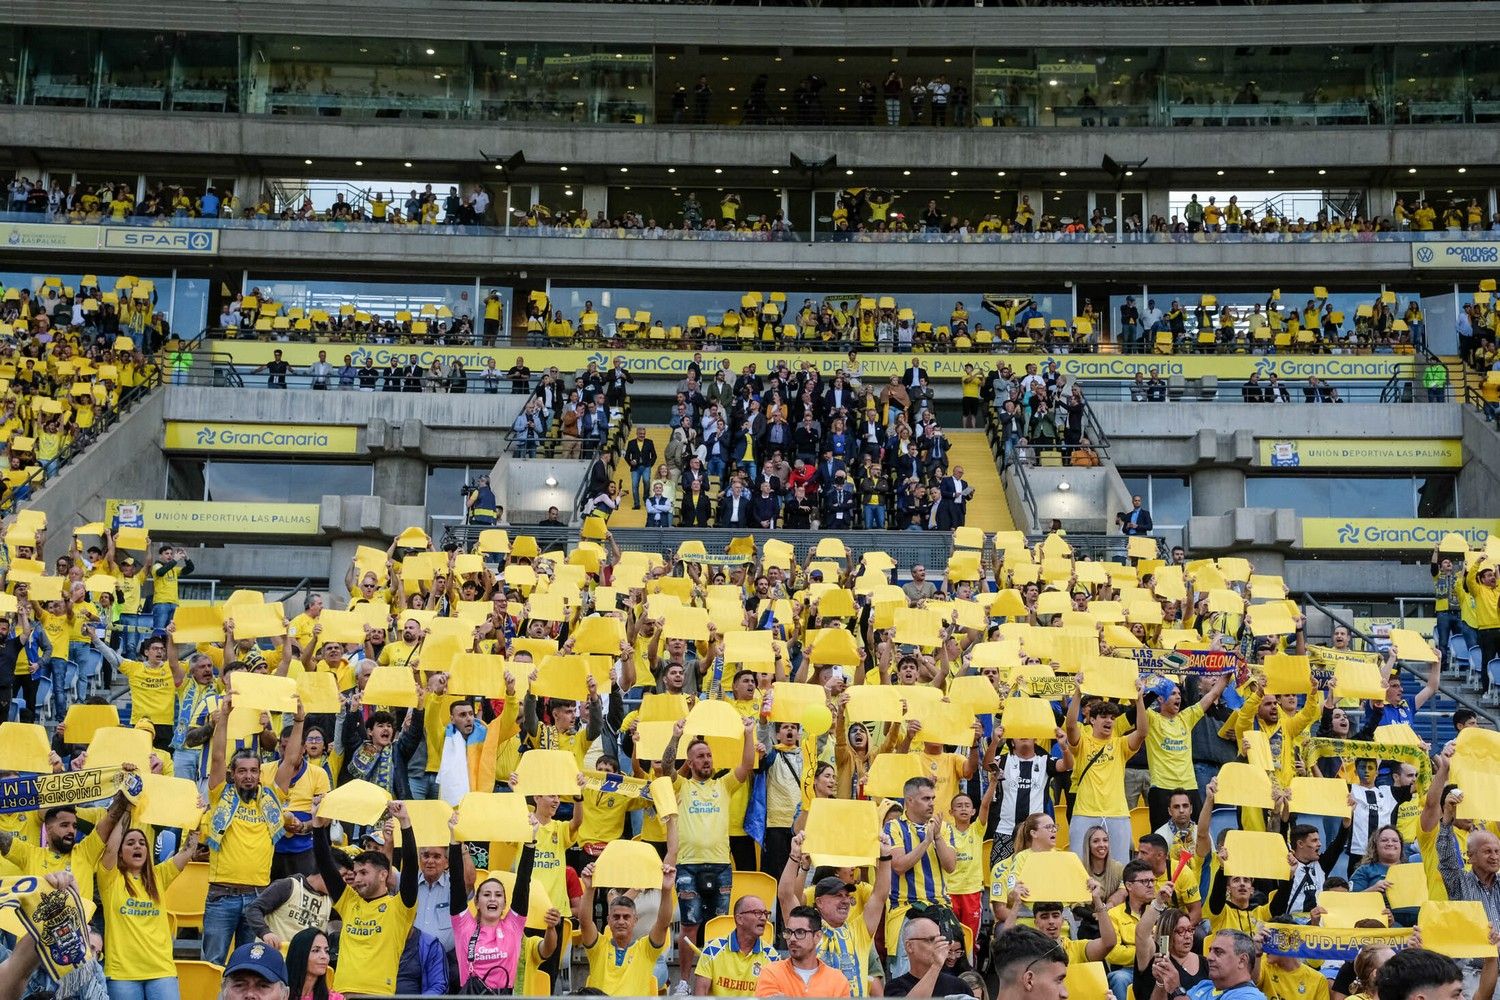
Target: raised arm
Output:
[(293, 759), (881, 891), (179, 672), (410, 870)]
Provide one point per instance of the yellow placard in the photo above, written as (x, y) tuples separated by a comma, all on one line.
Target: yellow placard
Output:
[(263, 692), (1347, 909), (481, 674), (501, 816), (342, 626), (1481, 787), (945, 722), (355, 801), (834, 646), (663, 796), (844, 833), (319, 691), (1244, 785), (548, 772), (1458, 929), (1141, 547), (1320, 796), (975, 693), (874, 703), (1258, 750), (564, 677), (195, 623), (1358, 680), (257, 621), (1408, 885), (752, 649), (171, 803), (83, 721), (390, 686), (429, 822), (1410, 645), (1256, 855), (1271, 619), (599, 634), (112, 747), (790, 701), (1453, 544), (1398, 732), (628, 864), (1087, 979), (1287, 673), (889, 773), (1025, 718), (1054, 875), (1111, 677), (25, 747), (132, 539)]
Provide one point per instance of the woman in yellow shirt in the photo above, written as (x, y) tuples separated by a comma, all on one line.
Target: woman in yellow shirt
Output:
[(138, 961)]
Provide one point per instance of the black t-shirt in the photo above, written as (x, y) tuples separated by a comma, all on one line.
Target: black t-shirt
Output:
[(945, 986)]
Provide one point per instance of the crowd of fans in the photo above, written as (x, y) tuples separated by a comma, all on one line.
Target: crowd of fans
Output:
[(1027, 775), (793, 449), (67, 357)]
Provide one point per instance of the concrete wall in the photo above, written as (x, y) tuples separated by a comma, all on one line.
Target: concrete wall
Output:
[(1086, 505), (1479, 482), (126, 462), (285, 141)]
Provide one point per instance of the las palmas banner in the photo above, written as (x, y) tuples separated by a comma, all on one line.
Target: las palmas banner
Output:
[(301, 439), (208, 516), (1351, 534), (873, 366), (1344, 453)]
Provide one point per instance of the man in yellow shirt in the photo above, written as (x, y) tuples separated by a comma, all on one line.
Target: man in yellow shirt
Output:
[(302, 626), (242, 829), (621, 965), (170, 564), (1140, 890), (1099, 758), (153, 686), (1169, 747), (730, 965), (845, 944), (376, 922)]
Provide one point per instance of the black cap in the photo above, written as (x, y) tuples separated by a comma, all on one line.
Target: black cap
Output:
[(830, 885)]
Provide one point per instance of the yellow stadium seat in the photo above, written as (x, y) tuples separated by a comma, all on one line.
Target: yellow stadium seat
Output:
[(1036, 324), (1163, 341), (183, 899), (1140, 822), (198, 980), (1049, 458), (757, 884), (642, 317), (718, 927), (281, 323), (263, 324), (983, 337)]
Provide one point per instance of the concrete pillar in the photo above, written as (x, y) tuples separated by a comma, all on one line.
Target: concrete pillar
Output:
[(401, 479), (1158, 202), (340, 555), (1268, 561), (1216, 491)]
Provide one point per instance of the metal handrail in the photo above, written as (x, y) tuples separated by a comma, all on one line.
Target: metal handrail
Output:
[(1028, 497), (1369, 641)]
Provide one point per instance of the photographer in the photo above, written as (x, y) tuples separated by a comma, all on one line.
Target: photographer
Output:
[(480, 504)]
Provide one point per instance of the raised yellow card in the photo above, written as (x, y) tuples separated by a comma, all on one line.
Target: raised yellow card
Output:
[(1256, 855), (1244, 785), (83, 721), (356, 801), (1320, 796), (319, 692), (547, 772), (663, 796), (1054, 875), (500, 816), (171, 803), (1028, 718), (844, 833), (112, 747), (1347, 909), (390, 686), (25, 747), (628, 864), (429, 822), (1458, 929), (266, 692), (1408, 885)]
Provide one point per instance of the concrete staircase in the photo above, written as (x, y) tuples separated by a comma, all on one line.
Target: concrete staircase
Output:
[(988, 511), (628, 516)]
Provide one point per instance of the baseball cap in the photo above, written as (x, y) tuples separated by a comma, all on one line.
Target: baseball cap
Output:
[(259, 959), (127, 561), (830, 885)]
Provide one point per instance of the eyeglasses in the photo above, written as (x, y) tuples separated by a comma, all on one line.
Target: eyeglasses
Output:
[(797, 933), (755, 913), (928, 938), (1142, 881)]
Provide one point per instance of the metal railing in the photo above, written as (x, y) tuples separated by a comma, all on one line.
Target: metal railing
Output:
[(784, 235), (548, 539), (1408, 383), (1370, 643), (1027, 496)]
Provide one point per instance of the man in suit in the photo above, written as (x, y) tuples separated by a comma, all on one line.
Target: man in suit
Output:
[(640, 455), (913, 374), (765, 508), (838, 503), (872, 436), (955, 500), (1138, 521), (909, 466), (601, 472), (829, 469), (734, 508), (697, 511)]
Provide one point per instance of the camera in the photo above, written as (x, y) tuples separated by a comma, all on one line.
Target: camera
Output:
[(466, 489)]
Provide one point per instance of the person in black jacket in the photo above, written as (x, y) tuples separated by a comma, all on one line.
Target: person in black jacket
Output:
[(640, 455), (799, 510), (13, 639), (838, 503), (765, 508), (697, 511), (376, 751)]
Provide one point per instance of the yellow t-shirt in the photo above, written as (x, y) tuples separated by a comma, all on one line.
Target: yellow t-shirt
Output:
[(703, 809), (82, 861), (1169, 751), (549, 862), (730, 973), (299, 798), (603, 816), (152, 692), (947, 772), (971, 386), (371, 942), (166, 583), (136, 926), (847, 950), (1299, 983), (624, 972), (1102, 790), (968, 875), (244, 854)]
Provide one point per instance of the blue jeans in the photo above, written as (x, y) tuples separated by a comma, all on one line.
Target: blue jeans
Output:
[(161, 614), (1471, 644), (1120, 981), (224, 924), (423, 787), (640, 483), (143, 989), (88, 660), (1447, 625), (874, 516), (703, 892), (716, 466), (54, 686)]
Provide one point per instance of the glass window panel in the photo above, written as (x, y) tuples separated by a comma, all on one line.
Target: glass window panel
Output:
[(60, 66), (10, 63), (1341, 496), (1171, 499), (359, 77), (185, 478), (383, 299), (205, 76), (443, 496), (136, 69), (267, 482), (665, 206), (563, 83), (1484, 81), (1427, 84), (1437, 495), (1091, 87), (1006, 88), (1274, 85)]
